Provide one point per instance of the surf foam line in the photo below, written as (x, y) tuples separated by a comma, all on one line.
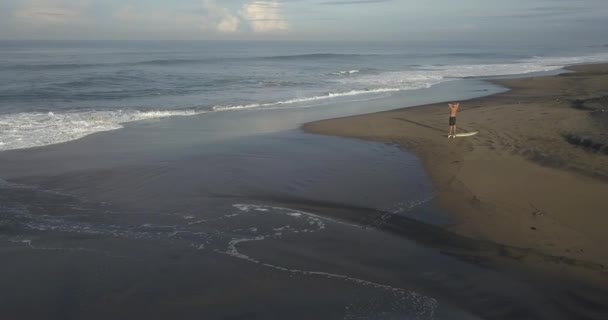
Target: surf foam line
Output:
[(420, 305), (27, 130), (37, 129), (327, 96)]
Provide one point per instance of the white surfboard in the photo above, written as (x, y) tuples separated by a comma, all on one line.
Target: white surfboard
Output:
[(466, 134)]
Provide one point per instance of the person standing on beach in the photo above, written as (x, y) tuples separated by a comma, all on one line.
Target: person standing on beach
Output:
[(453, 110)]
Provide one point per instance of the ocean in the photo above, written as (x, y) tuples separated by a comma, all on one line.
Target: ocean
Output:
[(171, 180), (57, 91)]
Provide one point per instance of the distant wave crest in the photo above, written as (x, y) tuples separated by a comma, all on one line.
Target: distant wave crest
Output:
[(346, 72), (319, 56), (172, 62)]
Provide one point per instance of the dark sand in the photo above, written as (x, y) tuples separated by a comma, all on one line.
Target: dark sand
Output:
[(534, 178)]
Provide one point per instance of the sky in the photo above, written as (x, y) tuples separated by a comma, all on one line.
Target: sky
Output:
[(554, 20)]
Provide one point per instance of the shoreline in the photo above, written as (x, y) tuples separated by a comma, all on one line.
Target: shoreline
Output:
[(533, 178)]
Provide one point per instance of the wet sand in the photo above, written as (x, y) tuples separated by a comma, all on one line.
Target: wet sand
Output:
[(534, 178)]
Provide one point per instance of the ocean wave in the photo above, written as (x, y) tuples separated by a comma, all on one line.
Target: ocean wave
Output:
[(346, 72), (26, 130), (566, 61), (424, 76), (319, 56), (35, 129), (174, 62), (171, 62), (477, 55), (50, 66), (308, 99), (73, 66)]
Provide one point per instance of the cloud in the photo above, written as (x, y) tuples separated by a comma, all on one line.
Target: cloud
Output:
[(50, 12), (219, 18), (229, 24), (265, 16), (211, 17)]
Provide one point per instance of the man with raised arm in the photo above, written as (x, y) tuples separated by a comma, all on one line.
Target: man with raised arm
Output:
[(453, 110)]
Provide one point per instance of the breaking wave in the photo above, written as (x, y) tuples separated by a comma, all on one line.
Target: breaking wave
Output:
[(27, 130)]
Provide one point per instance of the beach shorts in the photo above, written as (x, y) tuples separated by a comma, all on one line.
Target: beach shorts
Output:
[(452, 121)]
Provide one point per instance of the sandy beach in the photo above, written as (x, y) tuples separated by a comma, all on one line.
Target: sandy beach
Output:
[(534, 178)]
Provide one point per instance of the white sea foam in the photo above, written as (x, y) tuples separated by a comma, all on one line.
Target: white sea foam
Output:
[(431, 75), (308, 99), (27, 130), (427, 76), (345, 72), (406, 301)]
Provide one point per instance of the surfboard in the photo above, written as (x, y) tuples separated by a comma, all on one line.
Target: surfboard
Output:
[(466, 134)]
